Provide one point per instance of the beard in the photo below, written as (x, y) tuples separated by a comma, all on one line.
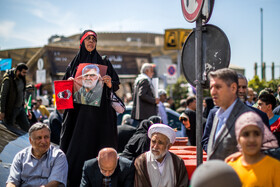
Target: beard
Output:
[(242, 98), (89, 83), (156, 157), (21, 76)]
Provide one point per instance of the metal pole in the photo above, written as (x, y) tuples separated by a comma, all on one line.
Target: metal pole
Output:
[(199, 91), (178, 63), (262, 43)]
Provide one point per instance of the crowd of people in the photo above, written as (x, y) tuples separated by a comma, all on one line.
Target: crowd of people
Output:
[(240, 129)]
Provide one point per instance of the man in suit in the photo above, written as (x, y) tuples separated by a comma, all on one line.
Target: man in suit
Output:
[(144, 99), (125, 132), (55, 122), (108, 170), (224, 89), (242, 94)]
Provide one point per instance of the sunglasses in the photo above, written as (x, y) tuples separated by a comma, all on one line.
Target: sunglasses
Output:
[(184, 119)]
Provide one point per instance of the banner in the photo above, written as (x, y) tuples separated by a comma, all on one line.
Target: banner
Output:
[(88, 84), (5, 64), (64, 94)]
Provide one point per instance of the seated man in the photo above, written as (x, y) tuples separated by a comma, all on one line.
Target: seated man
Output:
[(40, 164), (159, 167), (108, 170)]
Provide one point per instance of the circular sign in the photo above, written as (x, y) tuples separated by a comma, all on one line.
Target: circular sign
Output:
[(215, 53), (191, 9), (171, 70), (40, 64)]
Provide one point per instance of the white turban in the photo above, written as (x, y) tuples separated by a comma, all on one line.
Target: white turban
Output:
[(162, 129)]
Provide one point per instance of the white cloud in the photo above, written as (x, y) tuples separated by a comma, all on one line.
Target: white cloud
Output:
[(6, 28)]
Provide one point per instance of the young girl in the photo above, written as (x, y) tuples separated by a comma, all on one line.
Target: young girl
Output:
[(253, 167)]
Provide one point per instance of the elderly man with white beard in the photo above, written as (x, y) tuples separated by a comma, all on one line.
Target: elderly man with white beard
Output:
[(159, 167), (90, 92)]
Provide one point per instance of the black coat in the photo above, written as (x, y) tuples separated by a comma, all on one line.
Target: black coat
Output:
[(123, 175), (125, 132), (55, 121), (139, 142), (87, 129)]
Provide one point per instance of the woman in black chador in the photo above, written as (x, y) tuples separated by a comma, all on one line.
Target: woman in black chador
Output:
[(87, 129)]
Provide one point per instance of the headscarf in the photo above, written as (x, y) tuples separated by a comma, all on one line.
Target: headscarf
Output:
[(192, 132), (83, 56), (209, 106), (155, 119), (251, 118)]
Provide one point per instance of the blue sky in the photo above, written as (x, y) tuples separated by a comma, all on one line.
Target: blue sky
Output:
[(29, 23)]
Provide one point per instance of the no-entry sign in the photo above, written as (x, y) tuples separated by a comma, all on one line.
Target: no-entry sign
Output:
[(171, 77), (191, 9)]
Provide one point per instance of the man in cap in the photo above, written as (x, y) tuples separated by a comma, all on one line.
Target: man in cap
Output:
[(159, 167), (108, 170), (161, 108), (90, 92)]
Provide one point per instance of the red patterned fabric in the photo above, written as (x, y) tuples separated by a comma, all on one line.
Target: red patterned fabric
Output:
[(64, 94)]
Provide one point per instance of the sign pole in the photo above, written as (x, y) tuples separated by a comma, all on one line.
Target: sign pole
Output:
[(178, 63), (199, 91)]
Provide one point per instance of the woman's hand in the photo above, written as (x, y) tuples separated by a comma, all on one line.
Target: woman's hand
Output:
[(70, 79), (107, 80)]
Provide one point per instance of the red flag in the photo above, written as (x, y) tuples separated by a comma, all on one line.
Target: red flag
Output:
[(64, 94)]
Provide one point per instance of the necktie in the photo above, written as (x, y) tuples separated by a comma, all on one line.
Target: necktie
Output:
[(219, 126)]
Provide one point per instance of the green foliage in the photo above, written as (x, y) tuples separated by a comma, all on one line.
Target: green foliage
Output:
[(259, 85), (179, 90)]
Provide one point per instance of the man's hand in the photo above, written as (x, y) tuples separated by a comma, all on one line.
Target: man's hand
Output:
[(2, 116), (51, 184), (10, 185), (157, 100)]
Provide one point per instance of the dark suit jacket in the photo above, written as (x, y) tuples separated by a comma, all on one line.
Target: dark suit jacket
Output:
[(123, 175), (226, 143), (125, 132), (55, 122), (144, 105), (210, 119)]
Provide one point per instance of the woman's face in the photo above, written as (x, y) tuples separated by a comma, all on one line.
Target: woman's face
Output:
[(250, 140), (186, 123), (90, 43)]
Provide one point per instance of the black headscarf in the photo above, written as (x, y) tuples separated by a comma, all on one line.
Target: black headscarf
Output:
[(139, 142), (155, 119), (209, 106), (192, 132), (83, 56)]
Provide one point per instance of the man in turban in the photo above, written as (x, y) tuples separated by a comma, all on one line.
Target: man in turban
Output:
[(159, 167)]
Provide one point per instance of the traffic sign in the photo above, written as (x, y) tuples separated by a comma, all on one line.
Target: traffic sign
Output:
[(40, 64), (41, 76), (171, 76), (174, 39), (191, 9), (215, 54)]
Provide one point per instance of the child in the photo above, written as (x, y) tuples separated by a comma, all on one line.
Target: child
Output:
[(253, 167)]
